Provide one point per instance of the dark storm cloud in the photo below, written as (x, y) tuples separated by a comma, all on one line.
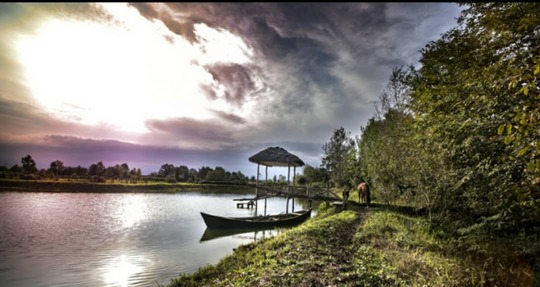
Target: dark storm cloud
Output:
[(236, 79), (305, 51)]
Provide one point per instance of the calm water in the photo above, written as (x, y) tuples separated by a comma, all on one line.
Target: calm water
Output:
[(95, 239)]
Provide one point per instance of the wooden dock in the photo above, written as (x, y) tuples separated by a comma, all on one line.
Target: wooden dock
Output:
[(267, 191), (264, 192)]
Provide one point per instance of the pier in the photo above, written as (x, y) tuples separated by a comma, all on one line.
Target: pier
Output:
[(279, 157)]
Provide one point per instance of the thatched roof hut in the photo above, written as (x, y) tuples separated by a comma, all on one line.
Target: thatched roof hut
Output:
[(276, 156)]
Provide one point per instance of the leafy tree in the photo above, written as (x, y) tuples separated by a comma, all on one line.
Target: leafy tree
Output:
[(193, 175), (316, 174), (123, 170), (475, 101), (301, 179), (135, 173), (182, 173), (203, 172), (112, 172), (96, 169), (216, 175), (56, 167), (336, 155), (167, 170), (28, 164)]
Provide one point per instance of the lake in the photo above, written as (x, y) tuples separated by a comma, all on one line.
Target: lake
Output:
[(114, 239)]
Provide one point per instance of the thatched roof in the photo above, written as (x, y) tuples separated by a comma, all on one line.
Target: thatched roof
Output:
[(276, 156)]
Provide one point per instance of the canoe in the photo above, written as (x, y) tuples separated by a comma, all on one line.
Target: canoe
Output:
[(213, 221)]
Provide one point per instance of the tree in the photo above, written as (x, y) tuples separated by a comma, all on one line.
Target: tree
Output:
[(193, 175), (475, 101), (216, 175), (56, 167), (203, 172), (123, 170), (182, 173), (96, 169), (316, 174), (336, 156), (385, 147), (28, 164), (167, 170)]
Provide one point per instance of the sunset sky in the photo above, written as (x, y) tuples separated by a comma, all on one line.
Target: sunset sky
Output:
[(197, 84)]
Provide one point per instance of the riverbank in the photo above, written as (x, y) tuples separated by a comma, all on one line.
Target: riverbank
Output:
[(361, 246), (75, 186)]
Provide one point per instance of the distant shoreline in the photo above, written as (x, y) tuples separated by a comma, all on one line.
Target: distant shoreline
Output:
[(7, 185)]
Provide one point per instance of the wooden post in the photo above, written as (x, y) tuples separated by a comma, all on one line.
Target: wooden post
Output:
[(266, 182), (294, 177), (289, 178), (293, 184), (257, 189)]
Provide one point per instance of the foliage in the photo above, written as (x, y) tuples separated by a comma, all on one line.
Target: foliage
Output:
[(99, 173), (56, 167), (337, 157), (316, 174), (460, 108), (459, 137), (385, 148), (411, 252), (28, 164)]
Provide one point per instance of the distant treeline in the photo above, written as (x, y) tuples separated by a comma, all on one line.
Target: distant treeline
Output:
[(98, 172)]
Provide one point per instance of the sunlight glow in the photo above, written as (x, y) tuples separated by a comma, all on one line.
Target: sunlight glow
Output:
[(125, 72), (133, 210), (119, 270), (222, 46)]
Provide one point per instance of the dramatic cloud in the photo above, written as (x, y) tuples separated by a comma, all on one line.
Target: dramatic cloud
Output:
[(236, 80), (205, 80)]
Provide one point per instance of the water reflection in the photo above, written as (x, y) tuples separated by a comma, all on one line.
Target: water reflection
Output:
[(119, 270), (132, 210), (252, 233), (112, 239)]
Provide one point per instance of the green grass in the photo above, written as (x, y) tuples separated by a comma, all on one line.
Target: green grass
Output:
[(365, 247)]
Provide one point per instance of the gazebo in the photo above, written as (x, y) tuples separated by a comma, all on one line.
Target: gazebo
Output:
[(276, 156)]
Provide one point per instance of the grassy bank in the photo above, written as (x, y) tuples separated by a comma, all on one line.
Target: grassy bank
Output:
[(366, 247), (85, 186)]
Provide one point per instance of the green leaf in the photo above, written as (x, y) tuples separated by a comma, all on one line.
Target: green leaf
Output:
[(508, 129), (525, 91), (501, 129), (531, 166), (507, 139), (523, 151), (536, 69)]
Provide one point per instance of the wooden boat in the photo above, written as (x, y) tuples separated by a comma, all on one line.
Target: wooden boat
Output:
[(286, 219)]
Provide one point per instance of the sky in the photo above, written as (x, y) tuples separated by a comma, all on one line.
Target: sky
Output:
[(198, 84)]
